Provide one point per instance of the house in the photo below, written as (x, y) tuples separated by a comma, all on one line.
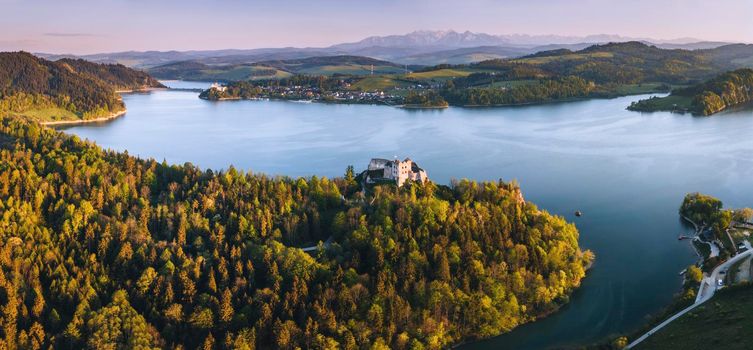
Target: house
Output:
[(395, 170)]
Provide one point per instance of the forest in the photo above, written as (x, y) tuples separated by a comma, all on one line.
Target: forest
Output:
[(725, 91), (100, 249), (86, 90), (425, 100), (542, 91)]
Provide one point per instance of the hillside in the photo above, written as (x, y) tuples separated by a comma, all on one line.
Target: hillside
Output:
[(116, 75), (195, 71), (607, 70), (101, 248), (319, 65), (463, 55), (328, 65), (65, 89), (713, 96), (722, 322), (621, 63)]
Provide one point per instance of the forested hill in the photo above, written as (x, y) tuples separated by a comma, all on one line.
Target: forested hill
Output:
[(627, 63), (65, 89), (117, 75), (103, 250), (715, 95)]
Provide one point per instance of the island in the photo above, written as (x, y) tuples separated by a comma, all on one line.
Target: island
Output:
[(101, 247), (67, 90), (723, 92)]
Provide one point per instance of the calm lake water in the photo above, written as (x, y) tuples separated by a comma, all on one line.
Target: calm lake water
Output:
[(627, 172)]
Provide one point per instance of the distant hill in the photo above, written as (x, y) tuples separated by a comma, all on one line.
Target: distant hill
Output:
[(464, 55), (735, 55), (117, 75), (328, 65), (632, 62), (150, 59), (419, 47), (323, 65), (701, 45), (196, 71), (63, 90)]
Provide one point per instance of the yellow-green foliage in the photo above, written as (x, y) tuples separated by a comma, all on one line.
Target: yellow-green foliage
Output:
[(103, 250), (44, 108), (724, 91), (708, 103)]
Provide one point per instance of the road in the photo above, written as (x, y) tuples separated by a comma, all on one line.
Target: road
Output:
[(705, 292), (315, 247), (714, 249)]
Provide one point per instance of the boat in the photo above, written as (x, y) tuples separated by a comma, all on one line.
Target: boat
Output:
[(578, 213)]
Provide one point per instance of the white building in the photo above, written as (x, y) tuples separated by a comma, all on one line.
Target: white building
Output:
[(218, 87), (396, 170)]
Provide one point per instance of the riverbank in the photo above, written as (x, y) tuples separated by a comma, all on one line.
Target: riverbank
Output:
[(107, 118)]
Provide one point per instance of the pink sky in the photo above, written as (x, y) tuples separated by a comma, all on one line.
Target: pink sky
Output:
[(88, 26)]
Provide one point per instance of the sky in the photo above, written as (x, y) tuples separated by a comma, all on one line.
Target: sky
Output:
[(93, 26)]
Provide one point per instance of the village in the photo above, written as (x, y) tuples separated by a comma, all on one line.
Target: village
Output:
[(304, 93)]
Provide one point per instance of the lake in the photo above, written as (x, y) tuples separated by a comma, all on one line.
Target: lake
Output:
[(627, 172)]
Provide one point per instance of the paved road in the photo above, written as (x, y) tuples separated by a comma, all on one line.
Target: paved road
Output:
[(705, 292), (315, 247), (714, 252)]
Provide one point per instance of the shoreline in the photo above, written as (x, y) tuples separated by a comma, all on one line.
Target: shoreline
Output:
[(422, 107), (415, 107), (146, 89), (110, 117), (558, 307)]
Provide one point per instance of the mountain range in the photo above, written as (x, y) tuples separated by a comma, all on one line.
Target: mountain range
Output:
[(417, 48)]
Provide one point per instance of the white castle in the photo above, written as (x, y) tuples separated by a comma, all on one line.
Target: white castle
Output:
[(218, 87), (396, 170)]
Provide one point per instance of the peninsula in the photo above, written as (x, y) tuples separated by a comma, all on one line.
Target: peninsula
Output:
[(725, 91), (67, 90), (101, 243)]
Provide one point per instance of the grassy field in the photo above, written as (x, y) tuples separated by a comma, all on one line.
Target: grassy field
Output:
[(510, 83), (723, 322), (637, 89), (441, 74), (380, 83), (242, 73), (50, 114), (668, 103), (575, 56), (353, 69)]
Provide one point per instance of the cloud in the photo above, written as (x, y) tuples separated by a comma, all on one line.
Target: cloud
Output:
[(69, 35)]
